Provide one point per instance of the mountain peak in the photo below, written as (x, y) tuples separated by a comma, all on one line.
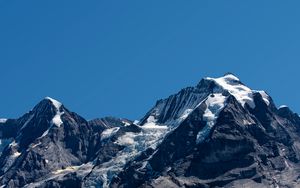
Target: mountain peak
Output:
[(174, 109), (187, 134), (235, 87), (57, 118), (48, 107), (229, 74), (56, 103), (227, 79)]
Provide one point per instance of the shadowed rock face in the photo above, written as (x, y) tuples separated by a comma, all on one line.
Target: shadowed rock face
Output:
[(101, 124), (216, 134), (39, 147), (245, 144)]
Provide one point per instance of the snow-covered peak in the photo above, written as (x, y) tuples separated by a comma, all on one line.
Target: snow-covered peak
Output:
[(242, 93), (56, 103), (57, 118), (230, 76), (3, 120), (176, 108)]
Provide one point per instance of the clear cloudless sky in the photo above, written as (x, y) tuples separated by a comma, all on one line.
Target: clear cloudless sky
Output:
[(118, 57)]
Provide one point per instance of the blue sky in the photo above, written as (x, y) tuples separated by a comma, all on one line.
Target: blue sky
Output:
[(118, 57)]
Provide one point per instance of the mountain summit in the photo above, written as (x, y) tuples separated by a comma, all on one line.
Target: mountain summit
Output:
[(176, 108), (219, 133)]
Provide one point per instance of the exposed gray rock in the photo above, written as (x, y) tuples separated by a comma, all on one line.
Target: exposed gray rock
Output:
[(210, 135)]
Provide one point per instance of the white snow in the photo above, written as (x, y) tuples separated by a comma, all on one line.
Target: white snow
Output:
[(265, 97), (57, 118), (232, 84), (126, 123), (109, 133), (241, 92), (214, 106), (247, 122), (56, 103), (3, 120), (152, 125), (183, 104), (150, 136), (126, 140), (186, 113), (16, 154), (283, 106), (153, 133), (151, 119)]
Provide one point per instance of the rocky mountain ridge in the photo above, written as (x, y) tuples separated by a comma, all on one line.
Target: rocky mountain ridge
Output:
[(219, 133)]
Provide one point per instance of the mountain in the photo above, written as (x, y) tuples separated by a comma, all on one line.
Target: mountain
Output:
[(219, 133)]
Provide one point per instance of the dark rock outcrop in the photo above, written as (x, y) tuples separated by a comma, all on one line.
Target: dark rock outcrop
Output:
[(219, 133)]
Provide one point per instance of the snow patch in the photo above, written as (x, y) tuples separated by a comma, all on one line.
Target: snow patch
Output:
[(57, 118), (151, 119), (56, 103), (150, 136), (283, 106), (241, 92), (3, 120), (214, 106), (265, 97), (154, 126), (126, 140), (151, 124), (233, 85), (16, 154), (109, 133), (186, 113), (247, 122), (126, 123)]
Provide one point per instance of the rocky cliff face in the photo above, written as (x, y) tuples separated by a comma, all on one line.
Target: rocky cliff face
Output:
[(219, 133)]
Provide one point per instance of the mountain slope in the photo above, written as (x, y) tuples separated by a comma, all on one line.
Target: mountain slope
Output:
[(51, 138), (229, 139), (219, 133)]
